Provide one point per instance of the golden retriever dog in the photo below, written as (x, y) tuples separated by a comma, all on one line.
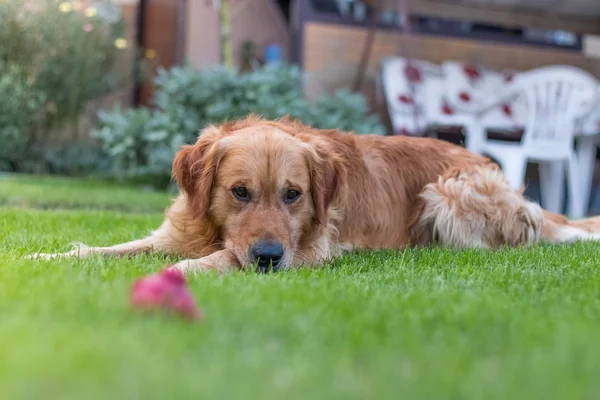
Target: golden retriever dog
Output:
[(278, 194)]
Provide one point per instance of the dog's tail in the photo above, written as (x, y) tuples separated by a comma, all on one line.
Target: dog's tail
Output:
[(559, 229)]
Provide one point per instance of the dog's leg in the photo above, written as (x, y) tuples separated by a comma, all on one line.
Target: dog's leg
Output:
[(159, 240), (220, 261), (559, 229), (145, 245), (478, 208)]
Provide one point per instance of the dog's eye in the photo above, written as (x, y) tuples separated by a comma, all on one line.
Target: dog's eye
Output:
[(240, 193), (291, 196)]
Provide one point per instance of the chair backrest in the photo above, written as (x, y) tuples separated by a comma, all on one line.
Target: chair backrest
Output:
[(590, 124), (402, 82), (556, 97), (470, 86)]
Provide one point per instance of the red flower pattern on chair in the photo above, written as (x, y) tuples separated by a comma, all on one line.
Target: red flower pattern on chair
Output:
[(446, 109), (412, 73), (465, 97), (416, 103), (402, 132), (405, 99), (471, 71)]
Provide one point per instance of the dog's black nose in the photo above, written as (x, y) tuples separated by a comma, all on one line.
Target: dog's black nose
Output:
[(267, 254)]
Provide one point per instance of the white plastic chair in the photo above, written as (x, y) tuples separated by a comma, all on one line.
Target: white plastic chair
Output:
[(415, 97), (402, 83), (471, 86), (555, 99), (588, 139), (439, 112), (462, 88)]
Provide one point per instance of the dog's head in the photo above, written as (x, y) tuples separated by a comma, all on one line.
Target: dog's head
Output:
[(266, 186)]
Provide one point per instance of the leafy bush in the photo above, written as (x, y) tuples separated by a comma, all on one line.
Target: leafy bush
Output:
[(143, 143), (20, 109), (76, 158), (221, 94), (343, 110), (67, 52), (55, 57), (140, 143)]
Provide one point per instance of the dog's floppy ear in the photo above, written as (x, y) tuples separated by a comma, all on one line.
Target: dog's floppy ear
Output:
[(327, 176), (194, 170)]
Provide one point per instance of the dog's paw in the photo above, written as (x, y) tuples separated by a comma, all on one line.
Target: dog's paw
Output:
[(533, 216), (40, 256), (78, 250), (45, 256), (527, 225), (189, 267)]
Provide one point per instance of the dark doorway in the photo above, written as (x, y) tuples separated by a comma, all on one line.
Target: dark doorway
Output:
[(158, 22)]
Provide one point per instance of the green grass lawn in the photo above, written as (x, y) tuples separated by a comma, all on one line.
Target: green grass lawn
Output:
[(420, 324), (68, 193)]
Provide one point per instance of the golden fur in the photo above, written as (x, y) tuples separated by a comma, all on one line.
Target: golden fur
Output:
[(356, 191)]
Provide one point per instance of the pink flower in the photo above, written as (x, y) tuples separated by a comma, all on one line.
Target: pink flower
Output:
[(164, 290), (88, 27)]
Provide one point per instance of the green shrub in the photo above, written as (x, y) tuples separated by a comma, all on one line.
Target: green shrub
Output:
[(20, 111), (140, 143), (273, 91), (76, 158), (343, 110), (143, 143), (55, 57), (68, 52)]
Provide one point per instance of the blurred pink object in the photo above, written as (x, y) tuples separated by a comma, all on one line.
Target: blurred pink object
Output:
[(88, 27), (165, 290)]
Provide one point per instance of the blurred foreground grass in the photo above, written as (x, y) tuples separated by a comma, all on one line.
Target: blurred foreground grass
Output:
[(421, 324)]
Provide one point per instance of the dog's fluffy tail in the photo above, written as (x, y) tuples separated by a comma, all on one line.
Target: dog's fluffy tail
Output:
[(559, 229)]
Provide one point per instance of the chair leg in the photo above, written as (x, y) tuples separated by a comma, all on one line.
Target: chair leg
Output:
[(514, 169), (474, 136), (552, 185), (576, 204), (586, 155)]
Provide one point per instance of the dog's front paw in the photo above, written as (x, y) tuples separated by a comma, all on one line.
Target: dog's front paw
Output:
[(81, 251), (192, 266), (41, 256), (220, 261), (50, 256)]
